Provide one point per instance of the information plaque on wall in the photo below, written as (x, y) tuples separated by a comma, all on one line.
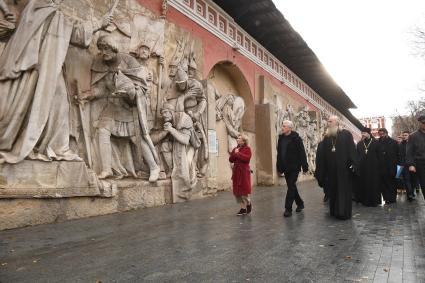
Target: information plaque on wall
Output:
[(212, 141)]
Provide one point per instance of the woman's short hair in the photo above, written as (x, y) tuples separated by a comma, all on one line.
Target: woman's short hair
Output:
[(244, 138), (288, 123)]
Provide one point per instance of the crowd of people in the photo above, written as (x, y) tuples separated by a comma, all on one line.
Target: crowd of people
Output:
[(366, 172)]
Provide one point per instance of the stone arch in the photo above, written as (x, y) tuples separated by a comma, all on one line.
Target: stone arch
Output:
[(227, 78)]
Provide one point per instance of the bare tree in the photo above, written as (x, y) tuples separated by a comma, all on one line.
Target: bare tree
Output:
[(408, 122)]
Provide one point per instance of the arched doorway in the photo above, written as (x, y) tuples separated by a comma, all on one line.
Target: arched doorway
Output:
[(228, 80)]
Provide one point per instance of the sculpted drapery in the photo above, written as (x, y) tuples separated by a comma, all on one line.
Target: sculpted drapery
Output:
[(34, 106)]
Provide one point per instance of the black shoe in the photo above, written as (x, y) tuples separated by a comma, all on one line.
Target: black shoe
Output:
[(241, 212), (287, 213), (248, 208), (299, 208), (325, 198)]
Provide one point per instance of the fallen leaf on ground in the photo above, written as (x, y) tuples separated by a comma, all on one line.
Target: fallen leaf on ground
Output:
[(35, 261), (386, 269), (348, 257), (4, 264)]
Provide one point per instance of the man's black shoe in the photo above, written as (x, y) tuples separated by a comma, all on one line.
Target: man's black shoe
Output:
[(287, 213), (299, 208), (248, 208), (241, 212)]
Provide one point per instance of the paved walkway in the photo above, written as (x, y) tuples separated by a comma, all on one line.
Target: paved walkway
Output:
[(203, 241)]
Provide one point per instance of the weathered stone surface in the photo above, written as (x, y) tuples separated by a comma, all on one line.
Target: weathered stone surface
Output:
[(131, 194), (39, 179)]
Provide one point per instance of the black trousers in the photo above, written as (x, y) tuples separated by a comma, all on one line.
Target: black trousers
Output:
[(292, 193), (388, 186), (420, 174), (407, 181)]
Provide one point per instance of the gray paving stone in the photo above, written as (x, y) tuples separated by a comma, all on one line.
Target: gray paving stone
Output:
[(203, 241)]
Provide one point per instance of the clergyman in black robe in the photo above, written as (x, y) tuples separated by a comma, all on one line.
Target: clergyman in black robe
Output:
[(388, 157), (318, 173), (339, 165), (367, 184)]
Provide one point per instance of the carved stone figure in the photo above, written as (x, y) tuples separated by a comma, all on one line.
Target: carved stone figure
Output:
[(143, 54), (231, 109), (31, 72), (120, 111), (7, 26), (192, 68), (313, 140), (193, 102), (180, 136)]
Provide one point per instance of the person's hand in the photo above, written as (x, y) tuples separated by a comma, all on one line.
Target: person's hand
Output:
[(168, 126), (412, 169), (85, 96), (161, 61), (106, 21), (10, 17), (236, 150)]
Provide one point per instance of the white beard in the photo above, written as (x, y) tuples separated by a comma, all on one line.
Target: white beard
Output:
[(332, 132)]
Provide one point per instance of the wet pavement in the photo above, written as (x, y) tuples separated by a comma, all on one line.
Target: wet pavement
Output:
[(203, 241)]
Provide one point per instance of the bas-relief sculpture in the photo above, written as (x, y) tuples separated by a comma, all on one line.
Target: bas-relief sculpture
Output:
[(230, 109), (306, 126), (136, 121), (7, 25), (31, 72)]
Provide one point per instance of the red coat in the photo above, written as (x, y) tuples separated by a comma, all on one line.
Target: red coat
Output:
[(241, 175)]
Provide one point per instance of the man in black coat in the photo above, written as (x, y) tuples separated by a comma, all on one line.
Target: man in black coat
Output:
[(415, 155), (405, 174), (291, 157), (388, 157), (367, 185), (339, 164)]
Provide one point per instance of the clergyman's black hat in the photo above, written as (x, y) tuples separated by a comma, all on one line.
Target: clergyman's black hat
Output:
[(366, 130)]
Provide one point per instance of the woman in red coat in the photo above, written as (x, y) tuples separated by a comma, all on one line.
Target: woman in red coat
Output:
[(241, 176)]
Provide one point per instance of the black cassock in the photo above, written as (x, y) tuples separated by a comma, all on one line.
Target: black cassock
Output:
[(339, 161), (367, 181), (388, 157)]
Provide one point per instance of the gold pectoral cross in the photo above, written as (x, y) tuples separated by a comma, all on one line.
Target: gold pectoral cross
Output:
[(333, 149), (365, 151)]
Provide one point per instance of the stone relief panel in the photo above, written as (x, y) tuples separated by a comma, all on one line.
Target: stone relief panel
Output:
[(230, 109), (112, 87), (306, 123)]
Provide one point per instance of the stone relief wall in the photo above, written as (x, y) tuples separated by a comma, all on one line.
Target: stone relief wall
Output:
[(310, 125), (107, 86)]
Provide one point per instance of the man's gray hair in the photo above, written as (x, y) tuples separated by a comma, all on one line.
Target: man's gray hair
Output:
[(288, 123)]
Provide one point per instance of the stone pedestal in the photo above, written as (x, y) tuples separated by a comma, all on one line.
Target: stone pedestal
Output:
[(39, 179), (129, 194)]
